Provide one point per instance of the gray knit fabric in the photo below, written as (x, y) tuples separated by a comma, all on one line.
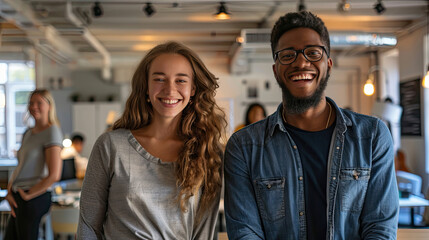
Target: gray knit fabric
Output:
[(129, 194), (31, 157)]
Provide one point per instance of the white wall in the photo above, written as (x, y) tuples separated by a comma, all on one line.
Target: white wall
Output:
[(389, 76), (389, 62), (346, 84), (48, 75), (88, 83), (85, 82), (48, 70), (235, 87), (411, 65)]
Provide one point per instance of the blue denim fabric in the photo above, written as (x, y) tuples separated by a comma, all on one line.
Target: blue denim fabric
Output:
[(264, 190)]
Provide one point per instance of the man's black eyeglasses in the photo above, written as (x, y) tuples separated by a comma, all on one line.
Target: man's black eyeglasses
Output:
[(311, 53)]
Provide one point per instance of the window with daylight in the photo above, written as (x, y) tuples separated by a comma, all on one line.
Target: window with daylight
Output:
[(17, 80)]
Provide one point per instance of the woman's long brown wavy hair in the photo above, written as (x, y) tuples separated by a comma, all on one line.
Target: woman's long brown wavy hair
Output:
[(201, 126)]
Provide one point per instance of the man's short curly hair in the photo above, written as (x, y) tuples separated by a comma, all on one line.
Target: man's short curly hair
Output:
[(302, 19)]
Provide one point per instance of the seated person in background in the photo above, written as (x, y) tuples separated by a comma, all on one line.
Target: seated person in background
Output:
[(255, 112), (74, 152), (400, 161)]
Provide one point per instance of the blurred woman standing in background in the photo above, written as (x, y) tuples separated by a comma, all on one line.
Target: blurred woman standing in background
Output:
[(255, 112), (39, 166)]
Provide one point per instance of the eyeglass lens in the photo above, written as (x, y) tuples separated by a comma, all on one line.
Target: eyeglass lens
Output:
[(312, 54)]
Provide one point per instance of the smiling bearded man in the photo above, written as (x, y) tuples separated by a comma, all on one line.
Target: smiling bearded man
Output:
[(311, 170)]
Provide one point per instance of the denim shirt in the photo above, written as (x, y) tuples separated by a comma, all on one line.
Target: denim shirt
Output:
[(264, 188)]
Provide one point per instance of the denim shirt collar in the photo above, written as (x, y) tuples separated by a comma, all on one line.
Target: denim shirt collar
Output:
[(342, 121)]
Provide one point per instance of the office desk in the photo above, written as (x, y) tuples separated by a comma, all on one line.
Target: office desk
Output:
[(403, 234), (412, 202)]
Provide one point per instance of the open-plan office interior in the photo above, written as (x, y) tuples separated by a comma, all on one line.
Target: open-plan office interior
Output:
[(85, 53)]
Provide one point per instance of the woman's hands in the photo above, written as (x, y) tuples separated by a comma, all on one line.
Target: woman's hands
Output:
[(12, 203), (24, 195)]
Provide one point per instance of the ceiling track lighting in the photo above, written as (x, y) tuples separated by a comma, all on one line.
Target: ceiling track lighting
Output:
[(301, 6), (379, 7), (97, 10), (148, 9), (222, 12), (344, 6)]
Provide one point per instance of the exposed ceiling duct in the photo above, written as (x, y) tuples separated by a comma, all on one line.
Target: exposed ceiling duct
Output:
[(45, 38), (48, 40), (106, 71), (257, 40), (260, 38)]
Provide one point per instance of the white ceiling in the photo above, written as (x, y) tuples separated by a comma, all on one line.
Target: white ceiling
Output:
[(125, 31)]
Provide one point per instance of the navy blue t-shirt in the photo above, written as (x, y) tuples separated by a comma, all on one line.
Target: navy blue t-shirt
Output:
[(313, 148)]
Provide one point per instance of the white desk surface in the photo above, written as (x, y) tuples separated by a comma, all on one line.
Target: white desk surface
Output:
[(8, 163), (413, 201), (403, 234), (4, 206)]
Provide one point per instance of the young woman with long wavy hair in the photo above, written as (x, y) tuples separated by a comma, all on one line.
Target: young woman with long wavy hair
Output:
[(157, 175), (39, 166)]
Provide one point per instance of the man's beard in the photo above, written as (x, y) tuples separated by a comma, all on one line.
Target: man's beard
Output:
[(298, 105)]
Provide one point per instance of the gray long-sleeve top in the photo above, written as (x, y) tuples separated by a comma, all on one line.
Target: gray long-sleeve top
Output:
[(129, 194)]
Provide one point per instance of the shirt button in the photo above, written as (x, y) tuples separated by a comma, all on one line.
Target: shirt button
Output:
[(334, 178), (338, 148), (295, 147), (269, 186), (301, 213), (300, 178)]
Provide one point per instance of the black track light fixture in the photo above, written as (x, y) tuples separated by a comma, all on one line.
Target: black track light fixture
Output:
[(222, 12), (379, 7), (97, 10), (148, 9), (301, 6)]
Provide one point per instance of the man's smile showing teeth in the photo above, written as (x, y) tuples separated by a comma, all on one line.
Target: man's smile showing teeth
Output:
[(302, 77), (170, 101)]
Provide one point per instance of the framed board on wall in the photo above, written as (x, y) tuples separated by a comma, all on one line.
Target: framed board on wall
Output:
[(410, 102)]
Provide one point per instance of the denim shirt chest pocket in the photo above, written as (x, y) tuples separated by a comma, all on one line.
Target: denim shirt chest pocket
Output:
[(270, 197), (353, 186)]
